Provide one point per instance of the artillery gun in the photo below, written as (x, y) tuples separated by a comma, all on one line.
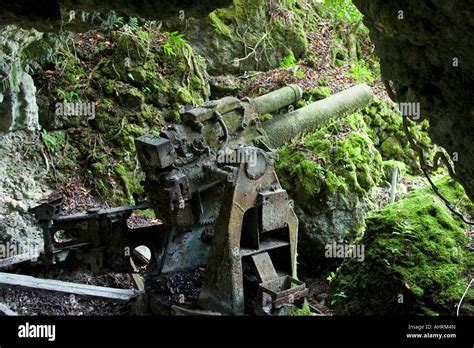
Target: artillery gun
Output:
[(210, 179)]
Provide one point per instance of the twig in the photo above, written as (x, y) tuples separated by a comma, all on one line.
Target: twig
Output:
[(45, 158), (462, 298)]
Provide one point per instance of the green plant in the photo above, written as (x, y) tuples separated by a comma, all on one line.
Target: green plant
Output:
[(174, 40), (131, 26), (299, 73), (10, 170), (362, 73), (143, 35), (330, 277), (118, 22), (289, 62), (53, 141), (340, 294), (305, 310), (343, 10), (67, 96), (146, 90), (168, 49)]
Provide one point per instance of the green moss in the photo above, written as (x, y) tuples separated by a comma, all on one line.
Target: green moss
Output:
[(172, 115), (335, 159), (133, 98), (415, 253), (262, 25), (386, 131), (391, 148), (219, 25), (266, 117), (317, 93)]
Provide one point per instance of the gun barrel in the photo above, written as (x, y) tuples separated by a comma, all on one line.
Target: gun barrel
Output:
[(282, 128), (277, 99)]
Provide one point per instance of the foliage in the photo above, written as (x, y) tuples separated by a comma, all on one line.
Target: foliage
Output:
[(362, 73), (289, 62), (118, 22), (53, 141), (343, 10), (305, 310), (174, 40), (330, 277), (131, 26), (67, 96), (136, 85)]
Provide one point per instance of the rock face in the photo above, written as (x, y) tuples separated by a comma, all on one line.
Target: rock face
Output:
[(22, 185), (18, 108), (53, 15), (425, 49), (248, 35)]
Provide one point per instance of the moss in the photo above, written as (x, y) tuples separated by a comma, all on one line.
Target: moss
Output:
[(390, 165), (386, 131), (273, 29), (391, 148), (219, 25), (415, 253), (335, 159), (133, 98), (266, 117), (317, 93), (172, 115)]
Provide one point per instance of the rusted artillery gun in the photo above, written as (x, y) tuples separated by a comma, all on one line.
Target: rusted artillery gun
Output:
[(210, 179)]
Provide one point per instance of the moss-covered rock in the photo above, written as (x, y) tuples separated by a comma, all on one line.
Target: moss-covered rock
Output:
[(248, 35), (416, 260), (330, 174), (385, 128)]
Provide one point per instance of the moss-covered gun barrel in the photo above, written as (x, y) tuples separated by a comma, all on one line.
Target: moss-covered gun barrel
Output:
[(277, 99), (283, 128)]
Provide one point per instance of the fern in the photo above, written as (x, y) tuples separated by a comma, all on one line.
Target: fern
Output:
[(289, 61), (131, 26), (118, 22), (177, 39), (174, 40), (53, 142)]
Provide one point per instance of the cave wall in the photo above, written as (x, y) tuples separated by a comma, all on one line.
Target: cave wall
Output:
[(425, 48), (82, 15)]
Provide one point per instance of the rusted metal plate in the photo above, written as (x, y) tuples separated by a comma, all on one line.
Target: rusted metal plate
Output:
[(283, 290), (264, 267), (274, 209)]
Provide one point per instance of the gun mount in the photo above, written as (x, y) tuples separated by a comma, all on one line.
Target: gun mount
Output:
[(210, 179)]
